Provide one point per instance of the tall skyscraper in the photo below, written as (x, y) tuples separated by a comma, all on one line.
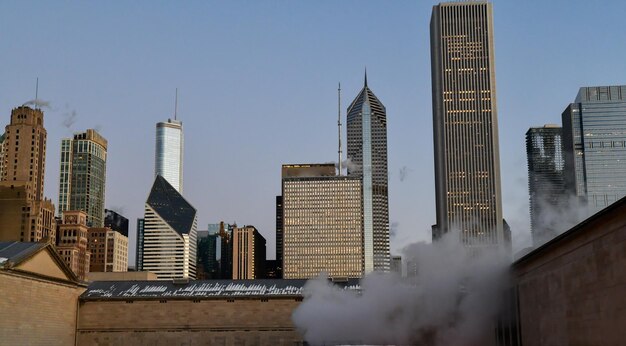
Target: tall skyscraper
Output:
[(367, 150), (83, 175), (548, 202), (248, 253), (465, 123), (594, 146), (169, 233), (116, 222), (279, 237), (25, 215), (322, 223), (168, 161)]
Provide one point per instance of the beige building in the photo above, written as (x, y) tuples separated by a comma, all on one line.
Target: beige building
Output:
[(25, 215), (248, 253), (322, 223), (39, 296), (109, 250), (72, 242), (121, 276)]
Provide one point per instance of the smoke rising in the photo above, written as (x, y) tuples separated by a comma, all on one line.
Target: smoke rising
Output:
[(37, 103), (404, 172), (451, 301), (349, 165), (69, 118)]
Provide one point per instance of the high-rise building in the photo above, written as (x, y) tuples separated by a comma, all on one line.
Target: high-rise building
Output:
[(139, 245), (367, 150), (594, 146), (226, 250), (25, 215), (72, 242), (168, 161), (278, 271), (83, 175), (465, 124), (322, 222), (208, 265), (249, 249), (116, 222), (548, 202), (169, 234), (396, 265), (109, 250)]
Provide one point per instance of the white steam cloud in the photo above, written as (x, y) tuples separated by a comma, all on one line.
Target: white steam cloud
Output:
[(451, 301), (37, 103)]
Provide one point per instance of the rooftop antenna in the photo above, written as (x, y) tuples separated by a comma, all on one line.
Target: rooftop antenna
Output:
[(176, 105), (339, 123), (36, 91)]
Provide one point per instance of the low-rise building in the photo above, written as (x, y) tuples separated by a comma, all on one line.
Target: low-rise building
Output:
[(109, 250), (72, 242)]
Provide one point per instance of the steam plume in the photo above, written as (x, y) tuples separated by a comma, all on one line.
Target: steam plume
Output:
[(69, 119), (450, 302), (37, 103)]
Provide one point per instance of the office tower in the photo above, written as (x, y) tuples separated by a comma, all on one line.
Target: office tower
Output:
[(594, 146), (25, 215), (396, 265), (208, 266), (465, 124), (168, 161), (367, 150), (116, 222), (83, 175), (139, 245), (322, 222), (109, 250), (279, 237), (72, 242), (226, 250), (249, 249), (170, 226), (545, 182)]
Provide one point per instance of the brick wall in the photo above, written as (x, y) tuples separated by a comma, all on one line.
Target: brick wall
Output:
[(36, 312), (188, 322)]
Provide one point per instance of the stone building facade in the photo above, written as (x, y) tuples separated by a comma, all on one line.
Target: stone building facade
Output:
[(109, 250)]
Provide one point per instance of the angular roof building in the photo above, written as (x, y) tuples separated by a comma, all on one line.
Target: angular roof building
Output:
[(169, 234)]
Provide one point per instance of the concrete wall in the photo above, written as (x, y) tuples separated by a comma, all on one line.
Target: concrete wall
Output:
[(573, 291), (36, 312), (188, 322)]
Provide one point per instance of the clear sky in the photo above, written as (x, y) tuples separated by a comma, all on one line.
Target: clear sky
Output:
[(257, 87)]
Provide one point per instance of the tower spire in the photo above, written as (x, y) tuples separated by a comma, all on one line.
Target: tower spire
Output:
[(36, 91), (176, 105), (365, 84), (339, 123)]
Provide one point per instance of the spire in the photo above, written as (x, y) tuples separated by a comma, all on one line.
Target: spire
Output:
[(366, 76)]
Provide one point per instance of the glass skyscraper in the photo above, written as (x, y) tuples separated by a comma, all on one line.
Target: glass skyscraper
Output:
[(367, 151), (83, 175), (465, 124), (168, 161), (548, 203), (594, 145)]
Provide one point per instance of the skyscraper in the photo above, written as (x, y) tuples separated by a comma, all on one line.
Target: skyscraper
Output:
[(168, 161), (248, 253), (594, 146), (25, 215), (169, 233), (83, 175), (465, 123), (279, 236), (322, 222), (545, 182), (367, 150), (116, 222), (139, 245)]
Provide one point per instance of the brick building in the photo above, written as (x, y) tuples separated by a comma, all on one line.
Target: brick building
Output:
[(109, 250), (72, 242)]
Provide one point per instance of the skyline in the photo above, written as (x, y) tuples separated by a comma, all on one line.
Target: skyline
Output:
[(234, 182)]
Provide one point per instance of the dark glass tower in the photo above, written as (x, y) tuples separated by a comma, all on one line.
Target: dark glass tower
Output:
[(367, 151), (279, 236), (465, 123), (594, 146), (545, 182), (116, 222)]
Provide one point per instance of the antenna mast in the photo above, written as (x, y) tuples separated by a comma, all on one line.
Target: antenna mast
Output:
[(36, 91), (176, 105), (339, 123)]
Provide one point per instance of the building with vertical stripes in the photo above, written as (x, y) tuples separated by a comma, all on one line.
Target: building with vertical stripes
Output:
[(168, 160), (249, 248), (169, 233), (465, 124)]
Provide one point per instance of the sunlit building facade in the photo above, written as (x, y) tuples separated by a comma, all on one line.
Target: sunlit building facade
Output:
[(465, 124), (367, 150), (594, 146), (322, 223), (168, 161), (109, 250), (83, 175), (169, 233), (249, 248)]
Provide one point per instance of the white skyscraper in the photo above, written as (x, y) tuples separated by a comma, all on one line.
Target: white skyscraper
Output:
[(168, 161)]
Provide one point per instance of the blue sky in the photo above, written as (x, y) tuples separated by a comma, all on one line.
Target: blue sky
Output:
[(257, 87)]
